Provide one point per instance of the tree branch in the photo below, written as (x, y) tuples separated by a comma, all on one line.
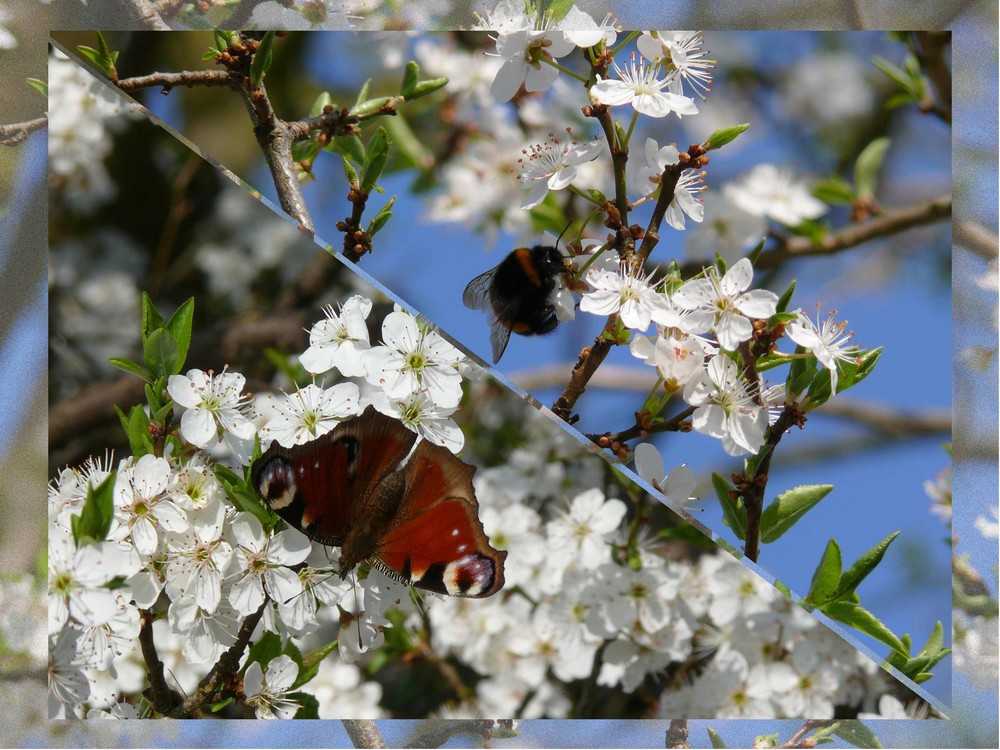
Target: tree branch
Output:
[(930, 52), (224, 668), (889, 222), (677, 734), (365, 733), (435, 733), (11, 135), (147, 15), (168, 81), (164, 698), (975, 238)]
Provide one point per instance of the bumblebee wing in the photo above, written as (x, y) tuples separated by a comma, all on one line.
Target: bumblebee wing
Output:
[(499, 335), (477, 293), (477, 296)]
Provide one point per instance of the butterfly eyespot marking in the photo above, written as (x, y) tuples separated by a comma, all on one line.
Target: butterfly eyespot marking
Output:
[(276, 483), (469, 575)]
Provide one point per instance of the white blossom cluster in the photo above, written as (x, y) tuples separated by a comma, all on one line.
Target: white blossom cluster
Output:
[(83, 113), (666, 73), (175, 535), (697, 323), (575, 604)]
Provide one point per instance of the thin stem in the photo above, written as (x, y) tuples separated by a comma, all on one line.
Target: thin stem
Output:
[(563, 69), (631, 127), (573, 188), (11, 135), (618, 47)]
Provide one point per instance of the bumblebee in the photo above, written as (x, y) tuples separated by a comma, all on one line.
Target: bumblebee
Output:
[(515, 295)]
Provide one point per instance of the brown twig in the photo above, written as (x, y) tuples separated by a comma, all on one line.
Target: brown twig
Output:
[(754, 486), (930, 51), (797, 739), (364, 733), (11, 135), (435, 733), (168, 81), (677, 734), (164, 698), (226, 667), (148, 15), (975, 238), (888, 222)]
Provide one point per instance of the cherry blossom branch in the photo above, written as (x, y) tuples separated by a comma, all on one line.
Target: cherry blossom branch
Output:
[(365, 733), (165, 698), (147, 14), (168, 81), (225, 668), (930, 51), (435, 733), (798, 740), (592, 357), (752, 487), (14, 133), (677, 734), (975, 238), (888, 222)]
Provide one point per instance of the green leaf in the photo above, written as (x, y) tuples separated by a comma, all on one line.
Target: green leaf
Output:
[(262, 60), (151, 319), (821, 388), (723, 136), (160, 352), (381, 218), (179, 326), (362, 94), (244, 498), (370, 106), (849, 374), (826, 576), (219, 705), (715, 739), (893, 71), (733, 514), (934, 641), (223, 39), (788, 508), (867, 167), (94, 521), (857, 734), (835, 191), (131, 367), (863, 566), (801, 373), (350, 147), (376, 155), (786, 297), (42, 87), (427, 86), (555, 9), (91, 54), (765, 740), (137, 430), (309, 705), (264, 650), (411, 77), (861, 619), (321, 102), (754, 254), (305, 151)]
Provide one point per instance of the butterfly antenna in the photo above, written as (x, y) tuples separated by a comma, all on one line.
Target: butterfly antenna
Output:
[(357, 603), (307, 589)]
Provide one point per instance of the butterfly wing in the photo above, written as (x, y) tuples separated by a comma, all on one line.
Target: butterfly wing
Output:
[(316, 486), (436, 540)]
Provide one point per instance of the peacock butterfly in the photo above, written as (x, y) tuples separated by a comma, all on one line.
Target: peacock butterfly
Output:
[(373, 489)]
